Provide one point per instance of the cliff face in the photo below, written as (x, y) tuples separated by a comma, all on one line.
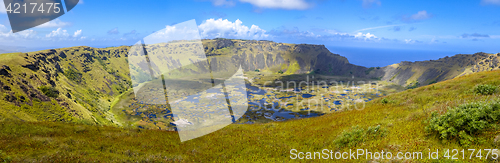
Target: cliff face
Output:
[(289, 58), (428, 72)]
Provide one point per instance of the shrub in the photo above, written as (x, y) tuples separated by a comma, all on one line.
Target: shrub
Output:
[(464, 122), (359, 135), (384, 101), (4, 157), (485, 89), (49, 91), (369, 70), (74, 75), (257, 70), (413, 85), (280, 72)]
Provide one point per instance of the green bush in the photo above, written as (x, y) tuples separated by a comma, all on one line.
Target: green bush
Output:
[(4, 157), (74, 75), (359, 135), (384, 101), (485, 89), (257, 70), (464, 122), (413, 85), (49, 91), (280, 72), (369, 70)]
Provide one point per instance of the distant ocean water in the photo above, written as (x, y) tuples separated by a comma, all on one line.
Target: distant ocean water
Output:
[(373, 57)]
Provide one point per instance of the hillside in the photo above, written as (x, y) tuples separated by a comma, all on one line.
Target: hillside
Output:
[(402, 119), (420, 73), (82, 84), (81, 81)]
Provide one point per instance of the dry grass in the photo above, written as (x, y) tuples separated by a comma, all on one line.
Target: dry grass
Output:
[(403, 118)]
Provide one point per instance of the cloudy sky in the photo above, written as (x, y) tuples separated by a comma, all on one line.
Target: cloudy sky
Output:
[(468, 26)]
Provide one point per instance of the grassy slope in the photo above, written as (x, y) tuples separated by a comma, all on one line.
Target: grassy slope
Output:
[(403, 117), (428, 72), (89, 100)]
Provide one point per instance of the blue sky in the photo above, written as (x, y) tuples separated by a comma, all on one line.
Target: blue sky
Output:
[(467, 26)]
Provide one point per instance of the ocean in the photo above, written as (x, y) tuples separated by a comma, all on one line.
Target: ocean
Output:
[(373, 57)]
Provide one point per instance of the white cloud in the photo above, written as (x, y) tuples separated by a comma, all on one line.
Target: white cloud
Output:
[(421, 15), (280, 4), (490, 2), (59, 32), (77, 33), (385, 26), (411, 41), (26, 34), (213, 28), (223, 2), (56, 23), (434, 41), (2, 27), (365, 36), (2, 7), (295, 33), (62, 34), (113, 31), (320, 35), (183, 31), (370, 3)]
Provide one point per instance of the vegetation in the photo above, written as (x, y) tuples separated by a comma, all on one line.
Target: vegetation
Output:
[(369, 70), (485, 89), (465, 122), (73, 75), (4, 158), (49, 91), (357, 135), (402, 117), (384, 101), (413, 85), (392, 78), (280, 72), (47, 131)]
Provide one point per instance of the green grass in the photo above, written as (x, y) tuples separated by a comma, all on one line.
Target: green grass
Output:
[(357, 135)]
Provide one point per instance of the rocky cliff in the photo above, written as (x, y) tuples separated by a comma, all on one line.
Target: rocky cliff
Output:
[(420, 73)]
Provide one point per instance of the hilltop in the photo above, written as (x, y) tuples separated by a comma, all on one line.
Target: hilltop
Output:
[(414, 74), (82, 84)]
